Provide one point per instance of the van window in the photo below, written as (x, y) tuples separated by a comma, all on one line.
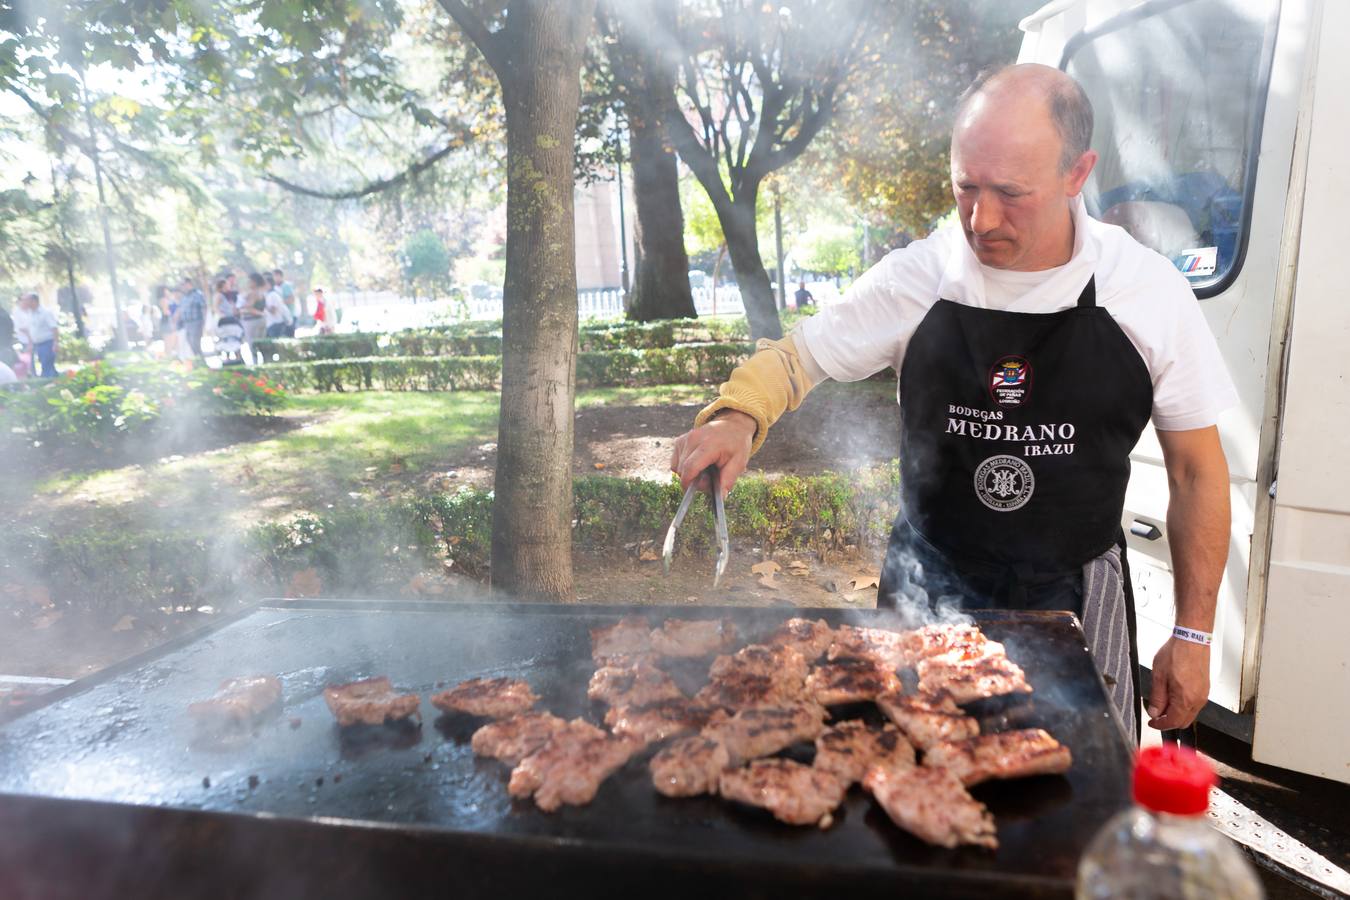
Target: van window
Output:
[(1178, 92)]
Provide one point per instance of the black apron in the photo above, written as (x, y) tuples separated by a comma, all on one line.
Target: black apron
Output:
[(1016, 431)]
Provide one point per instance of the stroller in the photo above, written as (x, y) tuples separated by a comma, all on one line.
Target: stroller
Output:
[(230, 341)]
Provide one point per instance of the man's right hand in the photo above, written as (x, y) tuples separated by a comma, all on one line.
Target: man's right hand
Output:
[(723, 442)]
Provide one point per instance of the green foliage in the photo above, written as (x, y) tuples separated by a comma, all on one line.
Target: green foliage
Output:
[(834, 250), (681, 364), (426, 261), (99, 403)]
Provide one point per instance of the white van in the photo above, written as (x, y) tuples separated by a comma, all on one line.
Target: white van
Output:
[(1224, 133)]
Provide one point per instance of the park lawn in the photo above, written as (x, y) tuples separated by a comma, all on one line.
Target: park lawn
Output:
[(335, 449)]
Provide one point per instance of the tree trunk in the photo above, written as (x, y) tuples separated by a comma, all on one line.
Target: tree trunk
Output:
[(532, 506), (738, 226), (662, 290)]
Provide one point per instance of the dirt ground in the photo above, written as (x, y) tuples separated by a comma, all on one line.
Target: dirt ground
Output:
[(837, 428)]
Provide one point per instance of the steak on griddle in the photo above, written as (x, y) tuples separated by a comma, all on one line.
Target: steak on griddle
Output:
[(372, 701), (511, 740), (694, 637), (850, 681), (763, 731), (932, 805), (632, 685), (932, 640), (660, 721), (630, 636), (926, 719), (495, 698), (810, 639), (794, 793), (848, 749), (238, 704), (1008, 754), (977, 679), (877, 644), (690, 766), (754, 676), (570, 767)]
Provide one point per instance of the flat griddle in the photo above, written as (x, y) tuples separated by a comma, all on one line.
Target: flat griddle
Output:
[(105, 790)]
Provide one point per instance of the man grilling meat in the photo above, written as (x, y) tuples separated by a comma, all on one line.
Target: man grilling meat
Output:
[(1033, 344)]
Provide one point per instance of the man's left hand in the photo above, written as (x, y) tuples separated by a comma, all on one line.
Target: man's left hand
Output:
[(1180, 684)]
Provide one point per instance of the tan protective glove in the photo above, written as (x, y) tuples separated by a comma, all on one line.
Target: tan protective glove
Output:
[(771, 382)]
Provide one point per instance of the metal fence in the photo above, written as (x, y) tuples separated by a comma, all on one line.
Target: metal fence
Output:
[(388, 311)]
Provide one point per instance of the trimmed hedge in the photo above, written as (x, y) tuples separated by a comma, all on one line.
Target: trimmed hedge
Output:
[(374, 550), (682, 364), (430, 342)]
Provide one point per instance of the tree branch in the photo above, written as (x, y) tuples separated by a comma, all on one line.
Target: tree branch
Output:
[(373, 187), (486, 42)]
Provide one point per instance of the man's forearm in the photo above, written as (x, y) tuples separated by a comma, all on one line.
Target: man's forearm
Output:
[(1197, 530)]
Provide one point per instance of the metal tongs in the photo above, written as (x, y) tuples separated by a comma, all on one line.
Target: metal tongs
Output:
[(719, 508)]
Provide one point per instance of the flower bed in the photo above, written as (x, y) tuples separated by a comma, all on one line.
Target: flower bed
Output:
[(99, 403)]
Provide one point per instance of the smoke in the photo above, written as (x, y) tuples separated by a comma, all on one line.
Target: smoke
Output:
[(911, 591)]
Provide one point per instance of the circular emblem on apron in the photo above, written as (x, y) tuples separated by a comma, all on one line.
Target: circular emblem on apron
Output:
[(1010, 381), (1004, 483)]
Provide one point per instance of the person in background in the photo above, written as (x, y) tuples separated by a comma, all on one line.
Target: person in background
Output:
[(229, 330), (276, 314), (803, 297), (192, 315), (38, 328), (221, 301), (287, 291), (168, 327), (231, 285), (321, 312), (251, 306), (7, 354)]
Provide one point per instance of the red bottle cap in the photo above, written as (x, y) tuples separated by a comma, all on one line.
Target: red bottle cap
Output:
[(1173, 779)]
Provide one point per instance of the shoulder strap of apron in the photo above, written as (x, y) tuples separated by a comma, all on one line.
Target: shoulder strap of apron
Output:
[(1088, 299)]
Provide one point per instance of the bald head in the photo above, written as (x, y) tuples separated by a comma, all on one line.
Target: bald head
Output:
[(1026, 87)]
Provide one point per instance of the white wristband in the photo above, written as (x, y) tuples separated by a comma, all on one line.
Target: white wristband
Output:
[(1195, 637)]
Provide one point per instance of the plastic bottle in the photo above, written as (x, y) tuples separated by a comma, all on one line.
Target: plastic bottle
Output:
[(1163, 848)]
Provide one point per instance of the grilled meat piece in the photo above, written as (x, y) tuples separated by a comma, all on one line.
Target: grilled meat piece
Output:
[(927, 720), (969, 652), (877, 644), (570, 767), (794, 793), (635, 685), (753, 733), (690, 638), (850, 681), (658, 721), (990, 676), (1008, 754), (690, 766), (238, 704), (496, 698), (810, 639), (755, 676), (850, 748), (511, 740), (370, 702), (932, 640), (630, 636), (784, 663), (750, 692), (932, 805)]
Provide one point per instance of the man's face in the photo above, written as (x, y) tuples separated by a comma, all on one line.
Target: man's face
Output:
[(230, 282), (1012, 195)]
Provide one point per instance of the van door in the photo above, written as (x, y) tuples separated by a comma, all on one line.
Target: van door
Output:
[(1196, 107)]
